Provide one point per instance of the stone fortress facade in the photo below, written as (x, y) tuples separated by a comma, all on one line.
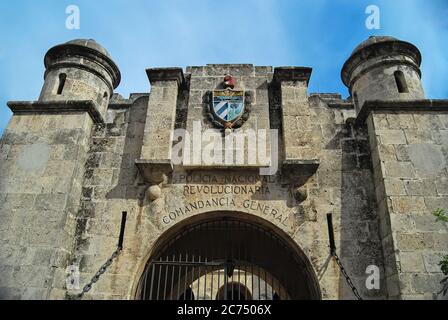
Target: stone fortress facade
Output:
[(80, 156)]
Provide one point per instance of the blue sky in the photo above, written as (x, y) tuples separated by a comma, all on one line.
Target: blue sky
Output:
[(139, 34)]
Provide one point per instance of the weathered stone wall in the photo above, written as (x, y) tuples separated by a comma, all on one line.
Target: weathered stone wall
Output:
[(41, 169), (342, 185), (74, 184), (410, 155), (160, 121), (72, 162), (112, 185)]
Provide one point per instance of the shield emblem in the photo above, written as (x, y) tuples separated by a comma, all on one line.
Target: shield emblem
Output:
[(228, 105)]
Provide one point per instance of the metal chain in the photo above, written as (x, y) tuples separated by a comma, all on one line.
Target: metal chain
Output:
[(346, 276), (444, 290), (100, 272)]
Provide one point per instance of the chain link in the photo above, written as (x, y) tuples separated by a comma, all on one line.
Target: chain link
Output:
[(108, 263), (346, 276), (444, 290), (100, 272)]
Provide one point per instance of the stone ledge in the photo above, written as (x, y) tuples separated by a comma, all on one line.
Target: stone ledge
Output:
[(292, 74), (236, 167), (309, 166), (166, 74), (298, 171), (118, 101), (327, 96), (116, 104), (153, 170), (400, 106), (127, 103), (333, 100), (340, 104), (57, 107)]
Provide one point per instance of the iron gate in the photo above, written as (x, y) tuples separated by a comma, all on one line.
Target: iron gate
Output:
[(200, 280), (225, 259)]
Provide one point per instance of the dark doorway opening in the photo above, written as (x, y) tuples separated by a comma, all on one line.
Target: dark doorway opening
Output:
[(227, 259)]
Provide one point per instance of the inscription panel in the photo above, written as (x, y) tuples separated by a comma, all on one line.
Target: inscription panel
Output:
[(187, 195)]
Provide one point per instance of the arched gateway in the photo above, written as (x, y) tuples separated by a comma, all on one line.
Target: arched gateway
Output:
[(227, 256)]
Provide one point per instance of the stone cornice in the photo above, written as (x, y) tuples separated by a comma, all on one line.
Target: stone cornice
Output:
[(154, 170), (423, 106), (57, 107), (166, 74), (309, 165), (292, 74)]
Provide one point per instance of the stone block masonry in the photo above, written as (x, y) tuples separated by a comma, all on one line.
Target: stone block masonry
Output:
[(410, 166), (40, 186), (73, 161)]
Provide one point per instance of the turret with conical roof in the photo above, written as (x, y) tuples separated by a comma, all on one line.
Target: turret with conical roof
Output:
[(383, 68), (80, 70)]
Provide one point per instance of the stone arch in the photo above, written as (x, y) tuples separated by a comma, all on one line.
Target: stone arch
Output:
[(296, 264)]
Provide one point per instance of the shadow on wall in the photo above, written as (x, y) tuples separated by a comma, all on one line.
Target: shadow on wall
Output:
[(126, 178), (360, 244)]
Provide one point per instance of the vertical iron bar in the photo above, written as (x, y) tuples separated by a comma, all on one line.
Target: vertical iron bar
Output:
[(172, 277), (204, 297), (152, 280), (232, 254), (245, 259), (252, 282), (214, 252), (185, 277), (265, 285), (205, 260), (148, 267), (226, 257), (211, 285), (219, 282), (166, 278), (211, 259), (199, 273), (192, 277), (179, 277), (225, 281), (239, 261), (199, 262), (159, 275), (245, 279), (233, 289)]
